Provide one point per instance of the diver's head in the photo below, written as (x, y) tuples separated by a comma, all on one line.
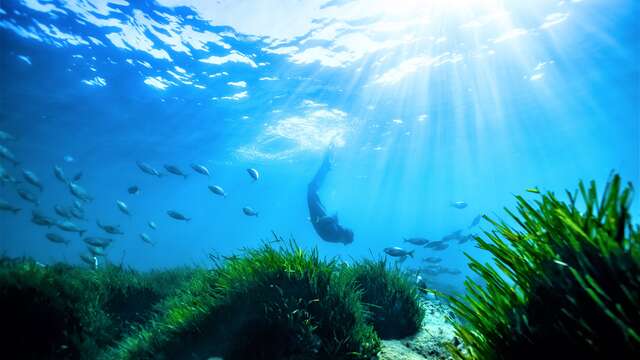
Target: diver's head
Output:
[(346, 236)]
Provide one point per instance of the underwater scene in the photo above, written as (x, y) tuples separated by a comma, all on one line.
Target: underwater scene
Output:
[(319, 179)]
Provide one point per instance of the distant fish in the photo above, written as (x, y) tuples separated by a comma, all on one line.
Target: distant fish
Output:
[(432, 260), (28, 196), (534, 190), (77, 213), (147, 239), (5, 136), (453, 271), (69, 158), (79, 192), (59, 174), (176, 215), (416, 241), (63, 212), (89, 259), (476, 221), (77, 176), (133, 190), (96, 250), (175, 170), (454, 235), (5, 177), (8, 155), (398, 252), (459, 204), (464, 239), (32, 179), (146, 168), (55, 238), (110, 229), (71, 227), (249, 211), (201, 169), (255, 175), (437, 245), (42, 220), (5, 206), (152, 225), (217, 190), (123, 207), (77, 204), (98, 241)]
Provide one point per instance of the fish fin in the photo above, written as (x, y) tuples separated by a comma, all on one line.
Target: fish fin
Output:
[(15, 211), (81, 233), (256, 214), (411, 253), (187, 219)]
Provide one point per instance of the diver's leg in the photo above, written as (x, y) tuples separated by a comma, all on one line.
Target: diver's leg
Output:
[(318, 179), (316, 209)]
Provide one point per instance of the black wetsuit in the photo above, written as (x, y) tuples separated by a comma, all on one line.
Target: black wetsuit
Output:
[(327, 227)]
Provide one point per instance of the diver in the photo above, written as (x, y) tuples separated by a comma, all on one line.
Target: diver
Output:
[(327, 227)]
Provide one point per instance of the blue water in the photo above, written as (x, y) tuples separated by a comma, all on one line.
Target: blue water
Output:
[(427, 105)]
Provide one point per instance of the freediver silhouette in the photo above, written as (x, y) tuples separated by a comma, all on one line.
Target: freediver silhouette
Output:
[(327, 227)]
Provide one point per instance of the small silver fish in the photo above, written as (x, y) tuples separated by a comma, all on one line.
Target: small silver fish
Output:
[(109, 229), (59, 174), (42, 220), (255, 175), (55, 238), (175, 170), (476, 221), (249, 211), (123, 207), (62, 212), (8, 155), (459, 204), (5, 206), (416, 241), (152, 225), (79, 192), (200, 169), (90, 260), (32, 179), (98, 241), (96, 250), (28, 196), (176, 215), (146, 168), (217, 190), (398, 252), (71, 227), (146, 239)]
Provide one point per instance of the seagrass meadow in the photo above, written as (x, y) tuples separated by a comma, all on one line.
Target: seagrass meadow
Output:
[(564, 281)]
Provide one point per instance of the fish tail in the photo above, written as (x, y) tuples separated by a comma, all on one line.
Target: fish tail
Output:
[(411, 253), (15, 211), (81, 233)]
